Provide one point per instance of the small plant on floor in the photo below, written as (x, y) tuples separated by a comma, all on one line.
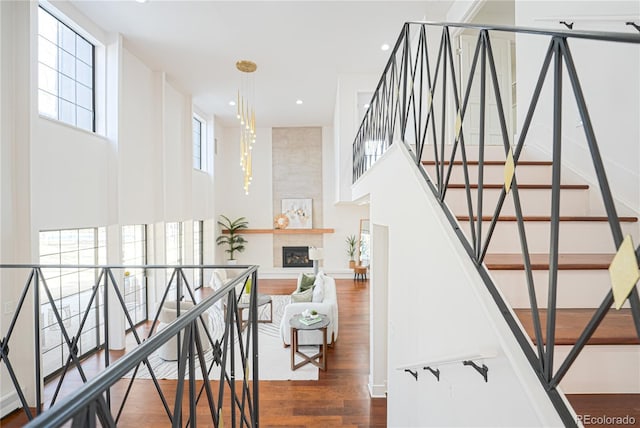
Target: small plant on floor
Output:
[(232, 239), (351, 250)]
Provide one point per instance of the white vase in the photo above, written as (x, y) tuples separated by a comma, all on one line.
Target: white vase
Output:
[(232, 262)]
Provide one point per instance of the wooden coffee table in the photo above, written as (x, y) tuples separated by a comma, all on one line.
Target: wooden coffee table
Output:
[(320, 359)]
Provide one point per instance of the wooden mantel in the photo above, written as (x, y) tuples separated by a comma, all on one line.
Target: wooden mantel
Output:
[(284, 231)]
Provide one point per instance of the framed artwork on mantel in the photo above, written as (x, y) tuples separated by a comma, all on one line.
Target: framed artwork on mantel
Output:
[(299, 212)]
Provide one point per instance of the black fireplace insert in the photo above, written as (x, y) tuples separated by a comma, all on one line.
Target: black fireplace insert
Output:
[(296, 257)]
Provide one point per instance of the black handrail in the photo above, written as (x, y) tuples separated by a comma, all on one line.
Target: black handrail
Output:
[(605, 36), (403, 108), (93, 399)]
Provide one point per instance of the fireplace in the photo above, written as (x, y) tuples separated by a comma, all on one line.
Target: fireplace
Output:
[(296, 257)]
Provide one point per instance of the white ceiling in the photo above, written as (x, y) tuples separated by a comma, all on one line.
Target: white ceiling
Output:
[(300, 47)]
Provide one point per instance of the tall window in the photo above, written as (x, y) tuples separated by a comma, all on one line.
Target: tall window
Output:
[(65, 73), (174, 250), (174, 243), (198, 129), (134, 252), (197, 252), (71, 288)]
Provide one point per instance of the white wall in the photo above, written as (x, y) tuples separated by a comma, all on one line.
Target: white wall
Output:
[(257, 206), (231, 200), (70, 177), (608, 74), (346, 124), (138, 143), (378, 299), (343, 217), (177, 153), (16, 123), (136, 169), (438, 306)]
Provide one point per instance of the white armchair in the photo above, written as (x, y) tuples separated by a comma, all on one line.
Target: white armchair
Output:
[(168, 314), (328, 306)]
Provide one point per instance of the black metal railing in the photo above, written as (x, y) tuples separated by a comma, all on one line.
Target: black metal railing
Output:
[(424, 103), (195, 341)]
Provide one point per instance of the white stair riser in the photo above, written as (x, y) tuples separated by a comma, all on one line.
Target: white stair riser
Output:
[(472, 153), (575, 236), (531, 174), (533, 202), (576, 288), (601, 369)]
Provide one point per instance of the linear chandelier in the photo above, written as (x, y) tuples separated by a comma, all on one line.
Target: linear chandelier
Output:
[(247, 116)]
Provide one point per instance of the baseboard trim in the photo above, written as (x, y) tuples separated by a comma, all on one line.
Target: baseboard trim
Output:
[(292, 273), (8, 403), (377, 391)]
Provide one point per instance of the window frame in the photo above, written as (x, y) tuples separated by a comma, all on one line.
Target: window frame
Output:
[(201, 143), (78, 33), (137, 274), (99, 248), (198, 251)]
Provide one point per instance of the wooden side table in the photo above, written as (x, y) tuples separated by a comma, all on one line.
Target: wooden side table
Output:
[(320, 359), (359, 272)]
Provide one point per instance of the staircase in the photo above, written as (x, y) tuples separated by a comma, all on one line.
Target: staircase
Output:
[(540, 239), (609, 362)]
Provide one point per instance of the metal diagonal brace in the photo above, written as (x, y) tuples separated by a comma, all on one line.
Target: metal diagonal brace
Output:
[(435, 372), (413, 373), (484, 370)]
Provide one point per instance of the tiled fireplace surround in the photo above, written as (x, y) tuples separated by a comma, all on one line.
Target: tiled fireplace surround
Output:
[(297, 173)]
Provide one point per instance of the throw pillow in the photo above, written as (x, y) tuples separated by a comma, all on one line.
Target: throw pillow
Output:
[(318, 289), (302, 296), (217, 281), (306, 282)]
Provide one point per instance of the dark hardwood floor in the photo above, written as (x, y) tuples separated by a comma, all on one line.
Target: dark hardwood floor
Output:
[(338, 398)]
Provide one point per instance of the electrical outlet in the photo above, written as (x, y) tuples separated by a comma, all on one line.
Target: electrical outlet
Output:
[(9, 307)]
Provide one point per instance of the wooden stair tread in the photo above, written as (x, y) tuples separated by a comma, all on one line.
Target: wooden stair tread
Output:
[(617, 327), (493, 162), (521, 186), (597, 405), (541, 261), (548, 218)]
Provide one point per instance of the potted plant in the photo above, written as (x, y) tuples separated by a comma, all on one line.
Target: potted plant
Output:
[(351, 250), (231, 237)]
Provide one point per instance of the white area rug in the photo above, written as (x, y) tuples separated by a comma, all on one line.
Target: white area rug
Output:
[(274, 358)]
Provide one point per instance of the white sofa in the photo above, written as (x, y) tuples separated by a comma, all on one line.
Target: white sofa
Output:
[(328, 306)]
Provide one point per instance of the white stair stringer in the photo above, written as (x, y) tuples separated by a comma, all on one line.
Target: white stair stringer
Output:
[(438, 304)]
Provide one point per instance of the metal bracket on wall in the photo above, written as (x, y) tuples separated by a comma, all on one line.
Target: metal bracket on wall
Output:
[(633, 24), (484, 370), (435, 372), (413, 373)]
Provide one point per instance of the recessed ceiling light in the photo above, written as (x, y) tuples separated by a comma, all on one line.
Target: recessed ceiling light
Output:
[(141, 1), (299, 102), (232, 103), (385, 47)]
